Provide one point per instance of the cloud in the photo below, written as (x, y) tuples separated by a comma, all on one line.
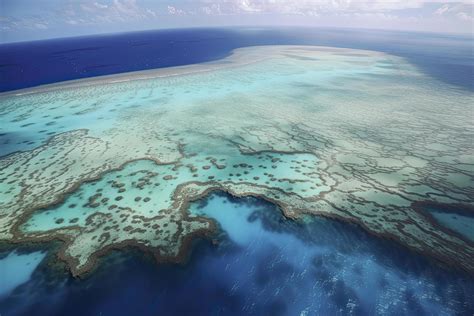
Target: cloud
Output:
[(309, 7), (465, 16), (111, 12), (101, 6), (175, 11), (151, 12), (111, 15), (458, 10), (213, 9), (8, 23), (252, 6), (41, 26), (80, 14)]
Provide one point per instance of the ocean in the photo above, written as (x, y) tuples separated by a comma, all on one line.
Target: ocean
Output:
[(258, 262), (447, 57)]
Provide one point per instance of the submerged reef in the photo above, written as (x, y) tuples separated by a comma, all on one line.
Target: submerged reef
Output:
[(113, 162)]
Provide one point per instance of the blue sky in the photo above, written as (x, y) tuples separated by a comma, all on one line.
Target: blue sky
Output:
[(22, 20)]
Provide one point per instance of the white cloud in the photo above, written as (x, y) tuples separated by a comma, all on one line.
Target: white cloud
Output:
[(436, 15), (151, 12), (100, 6), (213, 9), (175, 11), (251, 6), (465, 16), (115, 11), (458, 10), (442, 10), (41, 26), (310, 7)]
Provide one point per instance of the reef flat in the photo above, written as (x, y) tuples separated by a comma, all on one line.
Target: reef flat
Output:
[(356, 135)]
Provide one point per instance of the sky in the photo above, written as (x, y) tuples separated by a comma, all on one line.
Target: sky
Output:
[(24, 20)]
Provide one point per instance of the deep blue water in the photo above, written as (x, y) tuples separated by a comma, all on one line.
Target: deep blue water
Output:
[(262, 264), (448, 58)]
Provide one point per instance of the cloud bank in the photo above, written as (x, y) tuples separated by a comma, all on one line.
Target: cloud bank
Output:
[(26, 20)]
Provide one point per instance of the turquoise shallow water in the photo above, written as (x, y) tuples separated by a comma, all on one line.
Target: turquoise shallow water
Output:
[(16, 269), (152, 196), (456, 219), (458, 223), (98, 108)]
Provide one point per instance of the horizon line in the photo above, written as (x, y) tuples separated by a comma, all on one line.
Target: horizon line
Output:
[(466, 35)]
